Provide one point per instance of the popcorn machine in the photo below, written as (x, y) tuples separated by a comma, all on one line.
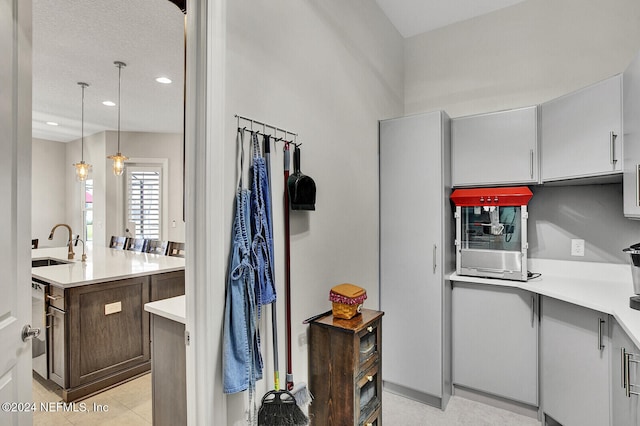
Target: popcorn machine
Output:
[(491, 232)]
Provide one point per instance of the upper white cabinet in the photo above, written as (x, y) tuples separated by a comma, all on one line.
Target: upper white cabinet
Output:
[(498, 148), (581, 133), (631, 100)]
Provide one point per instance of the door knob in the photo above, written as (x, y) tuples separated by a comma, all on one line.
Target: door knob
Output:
[(29, 333)]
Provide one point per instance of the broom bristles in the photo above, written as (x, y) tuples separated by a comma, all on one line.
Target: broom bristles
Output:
[(276, 411), (302, 394)]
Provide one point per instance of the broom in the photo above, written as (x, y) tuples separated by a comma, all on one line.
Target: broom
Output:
[(278, 407)]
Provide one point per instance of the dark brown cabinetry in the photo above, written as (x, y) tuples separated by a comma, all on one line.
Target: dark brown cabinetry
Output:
[(99, 334), (345, 361), (169, 284)]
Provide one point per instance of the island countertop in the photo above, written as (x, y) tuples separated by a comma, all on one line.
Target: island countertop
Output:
[(102, 264)]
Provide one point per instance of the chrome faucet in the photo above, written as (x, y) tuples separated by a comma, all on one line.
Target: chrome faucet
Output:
[(71, 254)]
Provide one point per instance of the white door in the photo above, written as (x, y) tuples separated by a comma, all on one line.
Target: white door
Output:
[(15, 213)]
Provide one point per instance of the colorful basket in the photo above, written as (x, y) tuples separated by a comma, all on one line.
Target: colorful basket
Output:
[(347, 300)]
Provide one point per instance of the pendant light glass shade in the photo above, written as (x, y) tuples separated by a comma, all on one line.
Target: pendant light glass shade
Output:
[(82, 168), (118, 159)]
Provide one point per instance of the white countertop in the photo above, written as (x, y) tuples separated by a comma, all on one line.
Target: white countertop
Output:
[(103, 264), (173, 308), (603, 287)]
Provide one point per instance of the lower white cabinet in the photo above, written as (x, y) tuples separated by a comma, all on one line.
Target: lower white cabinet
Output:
[(495, 340), (574, 364), (625, 378)]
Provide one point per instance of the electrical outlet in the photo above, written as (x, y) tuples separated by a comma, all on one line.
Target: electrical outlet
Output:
[(302, 339), (577, 247)]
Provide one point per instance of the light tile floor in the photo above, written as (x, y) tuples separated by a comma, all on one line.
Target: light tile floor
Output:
[(397, 410), (126, 405), (130, 405)]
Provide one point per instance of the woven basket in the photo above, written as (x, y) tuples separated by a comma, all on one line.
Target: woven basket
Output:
[(347, 300)]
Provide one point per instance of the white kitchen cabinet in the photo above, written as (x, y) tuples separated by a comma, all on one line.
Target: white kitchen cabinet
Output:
[(625, 355), (495, 341), (581, 132), (497, 148), (416, 252), (631, 142), (574, 364)]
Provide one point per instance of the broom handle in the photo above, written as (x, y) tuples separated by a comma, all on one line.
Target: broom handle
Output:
[(287, 256)]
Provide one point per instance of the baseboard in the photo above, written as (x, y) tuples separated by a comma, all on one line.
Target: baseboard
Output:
[(413, 394), (496, 401), (90, 389)]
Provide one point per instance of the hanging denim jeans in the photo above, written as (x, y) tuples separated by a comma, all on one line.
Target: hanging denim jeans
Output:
[(262, 243), (241, 358)]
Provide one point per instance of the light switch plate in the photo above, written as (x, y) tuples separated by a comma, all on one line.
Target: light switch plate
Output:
[(577, 247)]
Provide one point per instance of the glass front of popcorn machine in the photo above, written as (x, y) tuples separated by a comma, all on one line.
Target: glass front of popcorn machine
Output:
[(491, 232)]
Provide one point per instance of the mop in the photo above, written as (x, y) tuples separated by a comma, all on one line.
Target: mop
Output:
[(278, 407)]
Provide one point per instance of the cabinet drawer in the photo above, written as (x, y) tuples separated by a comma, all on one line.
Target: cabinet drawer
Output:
[(368, 393), (374, 419), (368, 346)]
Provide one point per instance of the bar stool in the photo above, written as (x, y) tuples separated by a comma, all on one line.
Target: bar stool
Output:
[(157, 247), (175, 249)]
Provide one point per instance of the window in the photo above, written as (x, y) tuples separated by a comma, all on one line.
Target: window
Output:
[(87, 210), (143, 201)]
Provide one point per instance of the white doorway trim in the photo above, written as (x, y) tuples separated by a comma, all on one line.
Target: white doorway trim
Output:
[(204, 208)]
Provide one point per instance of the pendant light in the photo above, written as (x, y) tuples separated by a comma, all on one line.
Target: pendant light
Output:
[(82, 168), (118, 159)]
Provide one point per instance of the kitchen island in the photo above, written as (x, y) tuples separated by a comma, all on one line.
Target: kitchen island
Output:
[(98, 334)]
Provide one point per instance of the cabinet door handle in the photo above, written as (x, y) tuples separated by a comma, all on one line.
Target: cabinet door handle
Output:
[(533, 309), (370, 329), (623, 362), (435, 257), (637, 167), (612, 147), (627, 370), (370, 378), (531, 163), (53, 297), (600, 344)]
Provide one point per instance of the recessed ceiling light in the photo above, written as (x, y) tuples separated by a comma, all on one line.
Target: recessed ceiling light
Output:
[(108, 103), (51, 123), (164, 80)]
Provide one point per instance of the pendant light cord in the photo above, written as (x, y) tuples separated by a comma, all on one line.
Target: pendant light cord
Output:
[(83, 85), (119, 65)]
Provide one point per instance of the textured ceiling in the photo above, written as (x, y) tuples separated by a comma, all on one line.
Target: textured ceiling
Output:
[(78, 40), (412, 17)]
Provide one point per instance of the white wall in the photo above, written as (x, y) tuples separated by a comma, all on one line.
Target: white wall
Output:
[(108, 189), (48, 191), (328, 70), (522, 55), (145, 146)]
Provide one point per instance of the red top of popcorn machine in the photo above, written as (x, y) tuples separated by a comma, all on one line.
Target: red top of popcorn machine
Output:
[(500, 196)]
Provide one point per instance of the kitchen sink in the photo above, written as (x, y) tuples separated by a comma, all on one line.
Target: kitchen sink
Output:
[(47, 261)]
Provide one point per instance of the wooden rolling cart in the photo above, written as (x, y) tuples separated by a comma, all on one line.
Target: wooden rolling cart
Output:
[(345, 365)]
